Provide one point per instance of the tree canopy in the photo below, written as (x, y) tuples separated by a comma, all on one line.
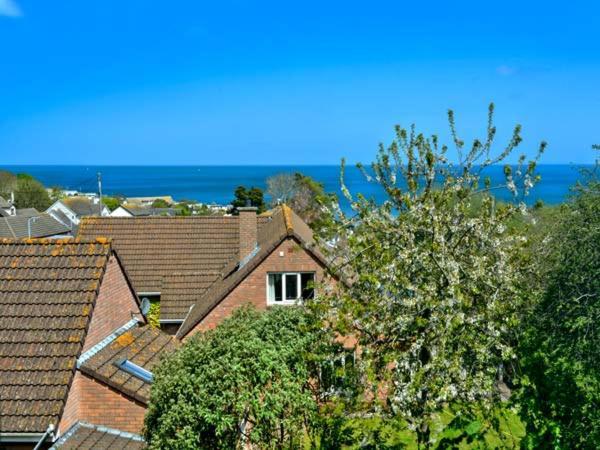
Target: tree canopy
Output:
[(249, 197), (28, 192), (560, 353), (437, 283), (249, 381)]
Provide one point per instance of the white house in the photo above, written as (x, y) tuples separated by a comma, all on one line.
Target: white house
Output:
[(7, 207), (70, 210)]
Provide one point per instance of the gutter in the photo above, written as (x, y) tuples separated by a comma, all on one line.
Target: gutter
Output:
[(169, 321), (149, 294), (21, 437), (49, 432)]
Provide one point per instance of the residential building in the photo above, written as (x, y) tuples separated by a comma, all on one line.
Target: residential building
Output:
[(202, 268), (142, 211), (147, 201), (70, 210), (27, 224), (7, 207), (75, 352)]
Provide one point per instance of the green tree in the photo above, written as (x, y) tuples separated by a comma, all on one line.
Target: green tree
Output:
[(437, 285), (250, 381), (112, 203), (253, 195), (30, 193), (160, 203), (560, 353)]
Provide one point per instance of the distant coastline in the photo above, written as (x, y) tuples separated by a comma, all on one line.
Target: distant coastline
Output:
[(215, 184)]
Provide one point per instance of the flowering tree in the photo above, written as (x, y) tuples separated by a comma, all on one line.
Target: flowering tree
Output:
[(435, 278)]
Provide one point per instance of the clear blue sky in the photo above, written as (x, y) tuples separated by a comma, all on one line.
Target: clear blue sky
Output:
[(194, 82)]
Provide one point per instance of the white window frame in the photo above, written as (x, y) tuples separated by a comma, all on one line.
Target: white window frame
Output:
[(284, 301)]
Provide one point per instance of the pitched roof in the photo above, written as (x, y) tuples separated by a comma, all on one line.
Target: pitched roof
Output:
[(83, 206), (16, 227), (47, 293), (182, 290), (28, 212), (283, 223), (142, 345), (142, 211), (155, 247), (83, 436), (4, 203)]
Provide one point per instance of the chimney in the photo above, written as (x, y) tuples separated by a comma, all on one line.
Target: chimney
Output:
[(248, 230)]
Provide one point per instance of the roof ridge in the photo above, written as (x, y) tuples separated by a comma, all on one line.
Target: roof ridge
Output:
[(287, 217), (63, 241)]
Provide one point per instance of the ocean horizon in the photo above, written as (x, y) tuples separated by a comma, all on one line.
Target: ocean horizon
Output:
[(216, 183)]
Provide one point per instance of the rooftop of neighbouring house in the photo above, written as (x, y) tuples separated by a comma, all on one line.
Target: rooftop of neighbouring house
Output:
[(28, 225), (47, 292)]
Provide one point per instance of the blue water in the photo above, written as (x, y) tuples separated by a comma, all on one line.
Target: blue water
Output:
[(215, 184)]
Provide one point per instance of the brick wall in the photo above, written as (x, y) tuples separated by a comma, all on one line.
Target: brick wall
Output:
[(88, 399), (254, 287), (247, 229), (114, 305), (96, 403)]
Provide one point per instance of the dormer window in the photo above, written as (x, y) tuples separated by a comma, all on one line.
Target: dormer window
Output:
[(288, 288)]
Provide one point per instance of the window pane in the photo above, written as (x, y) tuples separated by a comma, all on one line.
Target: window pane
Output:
[(275, 287), (291, 286), (307, 281)]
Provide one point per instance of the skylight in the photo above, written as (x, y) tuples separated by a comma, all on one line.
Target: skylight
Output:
[(135, 370)]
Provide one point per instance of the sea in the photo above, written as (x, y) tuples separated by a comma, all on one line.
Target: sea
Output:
[(216, 184)]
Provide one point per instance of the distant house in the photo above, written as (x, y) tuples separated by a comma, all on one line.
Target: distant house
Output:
[(7, 207), (142, 211), (77, 353), (202, 268), (28, 224), (147, 201), (70, 210)]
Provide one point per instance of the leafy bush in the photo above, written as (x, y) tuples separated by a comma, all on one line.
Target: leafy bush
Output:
[(251, 380)]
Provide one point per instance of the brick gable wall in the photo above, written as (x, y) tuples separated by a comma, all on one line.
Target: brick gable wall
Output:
[(89, 400), (253, 289), (96, 403), (115, 305)]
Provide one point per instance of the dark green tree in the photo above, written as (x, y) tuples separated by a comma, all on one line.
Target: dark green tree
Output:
[(254, 196), (251, 381), (30, 193), (560, 354)]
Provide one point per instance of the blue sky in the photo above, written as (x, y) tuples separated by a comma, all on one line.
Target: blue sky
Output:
[(191, 82)]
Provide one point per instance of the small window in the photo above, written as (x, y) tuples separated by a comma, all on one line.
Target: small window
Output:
[(288, 288), (135, 370)]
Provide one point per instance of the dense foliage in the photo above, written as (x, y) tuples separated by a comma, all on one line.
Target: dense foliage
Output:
[(436, 283), (249, 381), (249, 197), (28, 192), (560, 354)]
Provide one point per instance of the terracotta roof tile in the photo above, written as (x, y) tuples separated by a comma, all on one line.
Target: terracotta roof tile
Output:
[(47, 291), (143, 346), (83, 436)]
